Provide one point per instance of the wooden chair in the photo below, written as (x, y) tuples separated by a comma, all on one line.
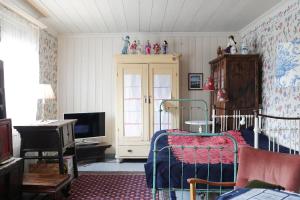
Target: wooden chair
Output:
[(52, 184), (275, 168)]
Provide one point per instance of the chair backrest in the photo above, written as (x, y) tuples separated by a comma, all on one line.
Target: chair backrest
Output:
[(276, 168)]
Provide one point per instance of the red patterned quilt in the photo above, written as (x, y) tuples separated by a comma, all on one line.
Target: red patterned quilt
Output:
[(200, 155)]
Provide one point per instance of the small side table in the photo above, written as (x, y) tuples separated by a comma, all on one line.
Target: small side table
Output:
[(199, 123), (56, 136)]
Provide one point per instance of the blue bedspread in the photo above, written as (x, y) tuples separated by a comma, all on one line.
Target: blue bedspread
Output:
[(177, 178)]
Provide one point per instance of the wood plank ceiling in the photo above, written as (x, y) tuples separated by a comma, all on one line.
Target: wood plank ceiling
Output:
[(109, 16)]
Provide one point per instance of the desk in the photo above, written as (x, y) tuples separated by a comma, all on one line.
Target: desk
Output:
[(258, 194), (199, 123), (57, 136)]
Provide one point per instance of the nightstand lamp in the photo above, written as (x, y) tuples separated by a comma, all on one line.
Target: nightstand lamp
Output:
[(45, 92)]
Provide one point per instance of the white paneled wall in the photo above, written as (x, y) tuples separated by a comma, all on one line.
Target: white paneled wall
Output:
[(87, 71)]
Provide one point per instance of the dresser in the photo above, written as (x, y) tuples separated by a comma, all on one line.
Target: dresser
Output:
[(142, 82), (240, 76), (11, 177), (56, 136)]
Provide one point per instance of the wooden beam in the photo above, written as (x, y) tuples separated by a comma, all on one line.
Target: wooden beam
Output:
[(37, 7), (10, 6)]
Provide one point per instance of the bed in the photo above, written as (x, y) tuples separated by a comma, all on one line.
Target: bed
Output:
[(170, 171)]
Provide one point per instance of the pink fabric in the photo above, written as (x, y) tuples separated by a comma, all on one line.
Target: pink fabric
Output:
[(190, 155), (276, 168)]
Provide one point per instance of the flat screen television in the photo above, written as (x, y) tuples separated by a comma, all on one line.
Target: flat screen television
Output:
[(88, 124), (6, 150)]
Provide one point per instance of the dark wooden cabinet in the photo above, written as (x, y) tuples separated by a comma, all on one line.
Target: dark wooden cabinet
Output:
[(239, 75), (44, 137), (2, 93), (11, 176)]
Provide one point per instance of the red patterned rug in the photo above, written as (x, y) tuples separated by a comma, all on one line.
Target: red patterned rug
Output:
[(96, 186)]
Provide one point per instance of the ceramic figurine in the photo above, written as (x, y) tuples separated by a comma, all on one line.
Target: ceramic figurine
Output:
[(244, 48), (133, 47), (138, 47), (126, 44), (148, 48), (156, 48), (231, 48), (219, 51), (165, 47)]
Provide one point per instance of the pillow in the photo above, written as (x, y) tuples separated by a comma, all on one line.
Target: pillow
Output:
[(262, 184)]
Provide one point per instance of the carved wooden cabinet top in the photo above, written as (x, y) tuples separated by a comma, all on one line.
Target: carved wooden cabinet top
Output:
[(234, 56)]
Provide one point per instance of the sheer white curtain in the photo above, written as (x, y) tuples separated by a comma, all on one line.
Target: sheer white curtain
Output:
[(19, 50)]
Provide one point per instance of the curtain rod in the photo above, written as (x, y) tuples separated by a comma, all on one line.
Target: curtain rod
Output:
[(23, 14)]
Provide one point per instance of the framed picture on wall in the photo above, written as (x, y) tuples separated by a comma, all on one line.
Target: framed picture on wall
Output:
[(195, 81)]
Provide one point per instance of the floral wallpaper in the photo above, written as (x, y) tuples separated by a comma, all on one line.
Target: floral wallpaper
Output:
[(48, 46), (282, 25)]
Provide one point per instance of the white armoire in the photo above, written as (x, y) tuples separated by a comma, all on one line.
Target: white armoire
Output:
[(142, 82)]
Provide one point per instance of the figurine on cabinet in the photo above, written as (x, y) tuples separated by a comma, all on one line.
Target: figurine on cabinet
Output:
[(138, 47), (165, 47), (244, 48), (148, 48), (219, 51), (156, 48), (133, 47), (126, 44), (231, 48)]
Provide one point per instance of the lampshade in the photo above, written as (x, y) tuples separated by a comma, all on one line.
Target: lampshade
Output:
[(209, 85), (222, 95), (45, 92)]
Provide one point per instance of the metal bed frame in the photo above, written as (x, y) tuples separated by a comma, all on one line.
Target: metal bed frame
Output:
[(285, 126), (181, 108), (238, 116), (220, 148), (261, 123)]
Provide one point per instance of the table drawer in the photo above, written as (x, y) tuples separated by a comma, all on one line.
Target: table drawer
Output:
[(134, 151)]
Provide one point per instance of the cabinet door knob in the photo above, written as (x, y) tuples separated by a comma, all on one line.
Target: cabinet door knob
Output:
[(129, 150)]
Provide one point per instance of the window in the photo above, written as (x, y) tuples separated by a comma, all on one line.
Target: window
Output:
[(19, 50)]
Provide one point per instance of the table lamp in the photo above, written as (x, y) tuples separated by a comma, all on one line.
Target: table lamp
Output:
[(45, 92)]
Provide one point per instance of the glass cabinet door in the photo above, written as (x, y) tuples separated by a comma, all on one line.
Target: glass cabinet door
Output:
[(133, 111), (134, 92), (161, 87)]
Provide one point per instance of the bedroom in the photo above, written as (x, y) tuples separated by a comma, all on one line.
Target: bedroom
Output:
[(76, 46)]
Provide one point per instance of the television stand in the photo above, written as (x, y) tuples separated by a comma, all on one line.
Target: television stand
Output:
[(84, 143), (91, 152)]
